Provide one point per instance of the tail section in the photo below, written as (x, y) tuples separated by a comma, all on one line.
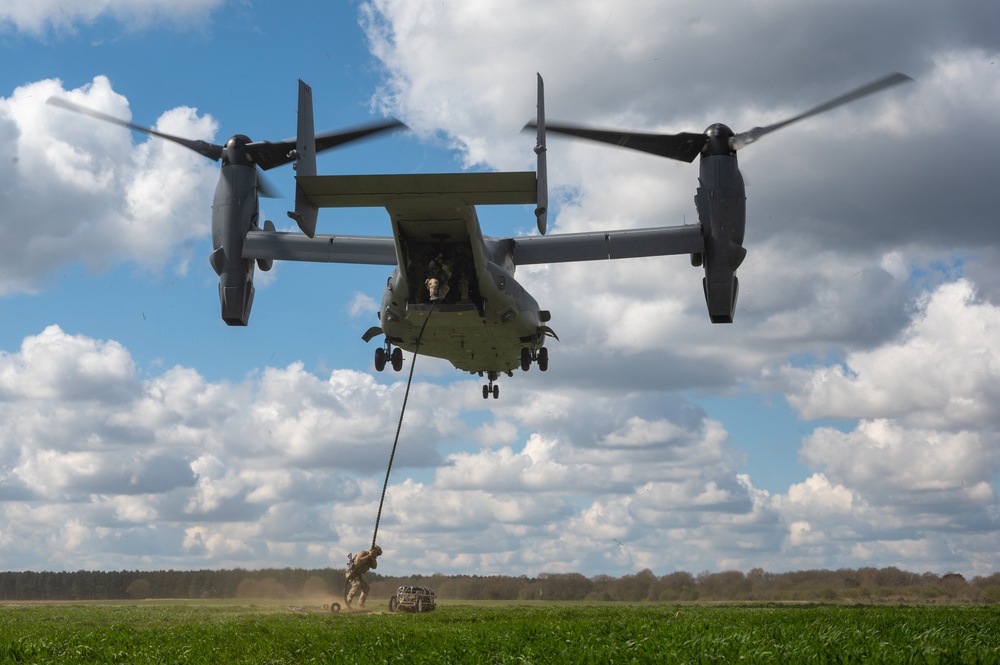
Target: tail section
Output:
[(305, 213), (541, 175)]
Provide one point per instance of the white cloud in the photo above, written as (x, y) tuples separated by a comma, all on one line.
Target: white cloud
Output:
[(96, 197), (65, 15), (868, 296), (942, 371), (883, 459), (54, 365), (362, 305), (210, 484)]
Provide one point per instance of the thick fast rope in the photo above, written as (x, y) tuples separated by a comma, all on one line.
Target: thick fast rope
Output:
[(399, 425)]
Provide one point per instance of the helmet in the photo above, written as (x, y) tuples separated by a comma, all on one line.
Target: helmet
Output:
[(377, 551)]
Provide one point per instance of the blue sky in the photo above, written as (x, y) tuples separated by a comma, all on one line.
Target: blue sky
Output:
[(847, 418)]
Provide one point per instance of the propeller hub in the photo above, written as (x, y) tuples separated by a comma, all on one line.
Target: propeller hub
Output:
[(719, 141), (235, 151)]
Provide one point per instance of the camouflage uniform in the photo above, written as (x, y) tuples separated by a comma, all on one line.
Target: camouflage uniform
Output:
[(363, 562), (438, 275)]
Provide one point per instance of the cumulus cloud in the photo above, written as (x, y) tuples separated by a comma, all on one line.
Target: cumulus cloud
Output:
[(940, 372), (852, 294), (36, 18), (288, 464), (117, 200), (868, 300)]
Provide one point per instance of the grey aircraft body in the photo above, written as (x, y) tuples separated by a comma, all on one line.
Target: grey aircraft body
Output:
[(453, 294)]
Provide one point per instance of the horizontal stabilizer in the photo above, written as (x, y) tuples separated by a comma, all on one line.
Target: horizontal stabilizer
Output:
[(361, 191)]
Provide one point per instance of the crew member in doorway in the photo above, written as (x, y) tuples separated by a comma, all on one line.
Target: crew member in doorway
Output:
[(438, 275)]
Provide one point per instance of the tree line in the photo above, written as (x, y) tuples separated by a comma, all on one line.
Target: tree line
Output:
[(324, 585)]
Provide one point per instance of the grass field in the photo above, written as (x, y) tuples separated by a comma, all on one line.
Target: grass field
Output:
[(229, 632)]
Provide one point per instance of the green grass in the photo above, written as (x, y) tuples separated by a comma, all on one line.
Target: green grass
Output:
[(215, 632)]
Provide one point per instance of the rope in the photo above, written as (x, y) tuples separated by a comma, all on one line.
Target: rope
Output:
[(399, 425)]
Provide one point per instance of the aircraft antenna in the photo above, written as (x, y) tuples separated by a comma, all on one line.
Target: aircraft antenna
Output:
[(399, 425)]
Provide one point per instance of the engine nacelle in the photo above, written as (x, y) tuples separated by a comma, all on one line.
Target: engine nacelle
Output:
[(721, 204), (234, 213)]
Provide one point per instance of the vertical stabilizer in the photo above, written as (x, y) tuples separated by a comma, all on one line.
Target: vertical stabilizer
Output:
[(541, 175), (305, 213)]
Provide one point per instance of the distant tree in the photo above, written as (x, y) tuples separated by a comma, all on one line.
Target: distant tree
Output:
[(634, 587), (139, 589), (563, 586), (758, 584), (679, 585), (987, 588), (955, 585), (727, 585)]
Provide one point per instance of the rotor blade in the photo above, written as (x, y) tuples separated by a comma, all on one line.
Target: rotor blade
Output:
[(209, 150), (268, 155), (746, 138), (266, 188), (683, 147)]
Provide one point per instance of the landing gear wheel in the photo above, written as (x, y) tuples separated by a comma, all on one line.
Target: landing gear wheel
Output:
[(397, 359), (335, 608), (543, 358), (379, 359), (525, 358), (491, 388), (393, 604)]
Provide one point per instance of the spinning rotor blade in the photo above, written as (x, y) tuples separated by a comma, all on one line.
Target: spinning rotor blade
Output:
[(266, 188), (746, 138), (683, 147), (686, 146), (268, 155), (265, 154), (210, 150)]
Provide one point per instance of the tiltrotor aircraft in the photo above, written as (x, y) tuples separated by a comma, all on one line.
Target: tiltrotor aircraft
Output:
[(453, 294)]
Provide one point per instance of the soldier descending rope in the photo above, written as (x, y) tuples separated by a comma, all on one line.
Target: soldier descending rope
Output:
[(357, 566), (365, 560)]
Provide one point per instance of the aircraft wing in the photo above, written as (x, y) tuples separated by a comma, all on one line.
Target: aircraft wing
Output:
[(598, 245), (430, 197), (285, 246)]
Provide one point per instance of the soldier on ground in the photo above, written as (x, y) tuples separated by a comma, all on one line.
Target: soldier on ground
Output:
[(358, 565)]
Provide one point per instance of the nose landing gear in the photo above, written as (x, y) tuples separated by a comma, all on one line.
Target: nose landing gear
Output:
[(491, 388)]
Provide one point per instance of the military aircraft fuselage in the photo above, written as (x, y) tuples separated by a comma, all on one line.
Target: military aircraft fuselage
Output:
[(478, 317)]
